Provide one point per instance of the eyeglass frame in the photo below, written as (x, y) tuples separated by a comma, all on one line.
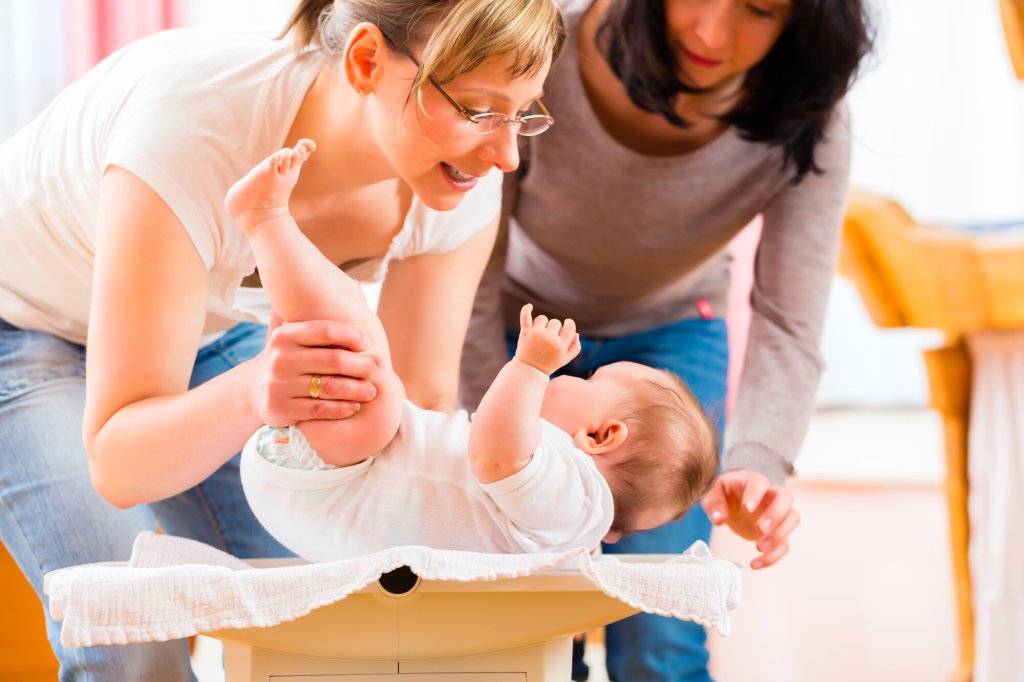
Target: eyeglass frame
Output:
[(472, 118)]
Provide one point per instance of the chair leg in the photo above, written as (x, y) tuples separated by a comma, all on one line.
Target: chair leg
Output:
[(949, 376)]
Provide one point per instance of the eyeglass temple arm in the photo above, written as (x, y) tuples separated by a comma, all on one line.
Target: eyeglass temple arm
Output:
[(448, 97)]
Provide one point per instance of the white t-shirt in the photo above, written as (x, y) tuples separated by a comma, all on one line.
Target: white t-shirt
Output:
[(189, 112), (420, 490)]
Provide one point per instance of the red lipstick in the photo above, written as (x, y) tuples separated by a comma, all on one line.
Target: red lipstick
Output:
[(702, 61)]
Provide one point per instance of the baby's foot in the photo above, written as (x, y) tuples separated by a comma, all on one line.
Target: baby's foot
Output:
[(263, 193)]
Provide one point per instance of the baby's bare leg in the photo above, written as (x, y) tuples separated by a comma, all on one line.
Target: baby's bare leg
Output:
[(299, 281), (301, 285)]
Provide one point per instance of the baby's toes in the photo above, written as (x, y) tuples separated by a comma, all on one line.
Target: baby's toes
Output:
[(279, 161)]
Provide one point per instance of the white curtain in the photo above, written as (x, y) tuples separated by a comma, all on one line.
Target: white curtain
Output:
[(996, 504), (33, 59)]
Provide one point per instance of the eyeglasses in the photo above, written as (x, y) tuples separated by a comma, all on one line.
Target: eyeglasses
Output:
[(487, 122)]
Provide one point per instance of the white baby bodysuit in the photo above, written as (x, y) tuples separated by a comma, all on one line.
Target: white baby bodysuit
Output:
[(420, 490)]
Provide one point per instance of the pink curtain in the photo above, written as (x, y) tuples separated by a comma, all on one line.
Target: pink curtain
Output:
[(744, 248), (98, 27)]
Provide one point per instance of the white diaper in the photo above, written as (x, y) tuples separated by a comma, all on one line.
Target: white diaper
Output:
[(288, 448)]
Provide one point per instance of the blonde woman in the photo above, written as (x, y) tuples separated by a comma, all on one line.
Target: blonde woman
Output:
[(115, 240)]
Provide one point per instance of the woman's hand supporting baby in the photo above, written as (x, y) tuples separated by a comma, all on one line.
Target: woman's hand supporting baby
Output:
[(295, 351), (311, 368)]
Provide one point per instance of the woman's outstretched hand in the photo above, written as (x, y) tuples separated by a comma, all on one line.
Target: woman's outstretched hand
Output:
[(755, 510), (312, 370)]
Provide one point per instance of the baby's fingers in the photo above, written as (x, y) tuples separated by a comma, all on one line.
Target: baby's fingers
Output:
[(568, 330), (574, 347), (525, 318)]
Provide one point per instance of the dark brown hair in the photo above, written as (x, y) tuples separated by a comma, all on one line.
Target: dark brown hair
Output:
[(790, 94)]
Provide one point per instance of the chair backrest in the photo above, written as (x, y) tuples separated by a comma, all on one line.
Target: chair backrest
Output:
[(1012, 12)]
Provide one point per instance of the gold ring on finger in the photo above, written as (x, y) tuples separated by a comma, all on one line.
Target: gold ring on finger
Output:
[(314, 386)]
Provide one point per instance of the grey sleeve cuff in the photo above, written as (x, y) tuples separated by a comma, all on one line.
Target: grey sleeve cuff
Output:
[(756, 457)]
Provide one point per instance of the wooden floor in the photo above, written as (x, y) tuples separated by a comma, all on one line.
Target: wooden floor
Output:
[(867, 590), (866, 593)]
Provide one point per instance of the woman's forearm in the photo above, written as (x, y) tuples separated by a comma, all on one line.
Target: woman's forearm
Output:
[(157, 447)]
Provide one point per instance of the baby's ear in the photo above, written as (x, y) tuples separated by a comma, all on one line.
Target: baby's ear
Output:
[(606, 438)]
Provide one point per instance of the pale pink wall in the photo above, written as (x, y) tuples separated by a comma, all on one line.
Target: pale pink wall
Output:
[(98, 27)]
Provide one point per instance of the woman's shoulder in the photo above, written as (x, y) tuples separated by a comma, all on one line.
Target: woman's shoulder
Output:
[(190, 110), (205, 60), (832, 157)]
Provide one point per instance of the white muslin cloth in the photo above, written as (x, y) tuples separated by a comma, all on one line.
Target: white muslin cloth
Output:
[(995, 504), (174, 587)]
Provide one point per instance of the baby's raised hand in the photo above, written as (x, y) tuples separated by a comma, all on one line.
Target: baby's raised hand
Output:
[(546, 344)]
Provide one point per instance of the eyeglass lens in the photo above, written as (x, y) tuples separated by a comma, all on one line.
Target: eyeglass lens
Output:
[(528, 125)]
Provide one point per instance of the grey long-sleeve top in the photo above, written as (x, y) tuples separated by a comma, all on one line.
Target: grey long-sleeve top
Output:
[(622, 242)]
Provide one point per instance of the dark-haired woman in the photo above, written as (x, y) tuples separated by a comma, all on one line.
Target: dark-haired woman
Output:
[(679, 122)]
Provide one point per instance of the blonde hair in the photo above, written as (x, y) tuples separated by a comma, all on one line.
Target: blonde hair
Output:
[(458, 35), (673, 452)]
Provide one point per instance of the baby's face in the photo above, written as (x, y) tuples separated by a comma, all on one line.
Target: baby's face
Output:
[(572, 403)]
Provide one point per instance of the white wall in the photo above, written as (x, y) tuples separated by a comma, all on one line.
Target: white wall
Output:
[(939, 120), (237, 13), (938, 124)]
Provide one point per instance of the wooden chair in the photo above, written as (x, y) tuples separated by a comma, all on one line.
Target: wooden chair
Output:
[(1012, 13), (912, 275)]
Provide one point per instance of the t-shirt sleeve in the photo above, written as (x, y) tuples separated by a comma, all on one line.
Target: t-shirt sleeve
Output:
[(558, 501), (187, 163)]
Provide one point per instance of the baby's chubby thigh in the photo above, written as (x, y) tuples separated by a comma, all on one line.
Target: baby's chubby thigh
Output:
[(344, 442)]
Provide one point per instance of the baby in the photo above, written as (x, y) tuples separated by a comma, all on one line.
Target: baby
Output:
[(545, 465)]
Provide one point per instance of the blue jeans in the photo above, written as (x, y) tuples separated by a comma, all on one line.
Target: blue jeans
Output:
[(647, 648), (51, 517)]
